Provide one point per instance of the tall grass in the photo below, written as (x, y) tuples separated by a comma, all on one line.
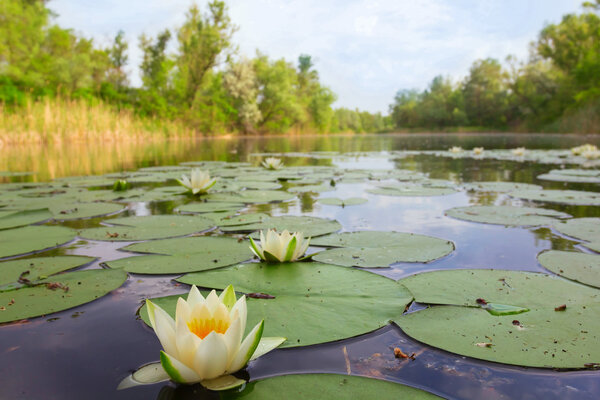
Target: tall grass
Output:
[(56, 120)]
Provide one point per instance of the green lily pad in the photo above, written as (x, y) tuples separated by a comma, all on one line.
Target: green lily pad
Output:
[(33, 238), (258, 185), (580, 228), (15, 219), (327, 302), (572, 175), (150, 227), (334, 201), (243, 219), (210, 207), (412, 190), (574, 197), (379, 239), (311, 188), (542, 337), (309, 226), (180, 255), (63, 211), (579, 267), (59, 293), (506, 215), (35, 269), (252, 196), (326, 386), (501, 187)]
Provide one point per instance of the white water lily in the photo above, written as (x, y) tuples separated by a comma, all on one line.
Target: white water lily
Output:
[(272, 163), (591, 154), (199, 181), (455, 149), (519, 151), (204, 342), (478, 150), (584, 148), (280, 247)]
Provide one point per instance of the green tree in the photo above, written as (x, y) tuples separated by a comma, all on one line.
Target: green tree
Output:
[(485, 94)]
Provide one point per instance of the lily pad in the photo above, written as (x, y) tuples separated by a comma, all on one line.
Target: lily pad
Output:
[(501, 187), (180, 255), (32, 239), (210, 207), (62, 211), (412, 190), (15, 219), (327, 302), (35, 269), (580, 228), (243, 219), (572, 175), (150, 227), (544, 336), (326, 386), (59, 293), (309, 226), (506, 215), (252, 196), (574, 197), (579, 267), (311, 188), (334, 201)]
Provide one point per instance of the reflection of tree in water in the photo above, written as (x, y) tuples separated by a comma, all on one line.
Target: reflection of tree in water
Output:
[(557, 242)]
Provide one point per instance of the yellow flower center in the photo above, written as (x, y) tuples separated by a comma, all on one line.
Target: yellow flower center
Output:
[(202, 327)]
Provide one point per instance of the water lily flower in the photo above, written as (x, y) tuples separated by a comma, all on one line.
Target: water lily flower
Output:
[(478, 150), (280, 247), (455, 149), (204, 342), (199, 183), (591, 154), (120, 185), (579, 150), (519, 151), (272, 163)]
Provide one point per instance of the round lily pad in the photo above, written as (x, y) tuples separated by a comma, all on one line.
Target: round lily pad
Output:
[(334, 201), (574, 197), (63, 211), (371, 249), (579, 267), (580, 228), (326, 386), (309, 226), (150, 227), (327, 302), (506, 215), (58, 293), (252, 196), (501, 187), (572, 175), (559, 330), (14, 219), (412, 190), (35, 269), (180, 255), (210, 207), (242, 219), (32, 239), (311, 188)]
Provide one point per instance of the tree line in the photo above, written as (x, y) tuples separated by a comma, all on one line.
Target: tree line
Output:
[(557, 89)]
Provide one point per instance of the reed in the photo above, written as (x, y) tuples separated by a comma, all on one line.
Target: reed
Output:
[(56, 120)]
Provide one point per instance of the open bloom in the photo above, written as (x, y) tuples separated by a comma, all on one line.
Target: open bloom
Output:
[(477, 150), (519, 151), (591, 154), (455, 149), (272, 163), (204, 341), (199, 181), (584, 148), (280, 247)]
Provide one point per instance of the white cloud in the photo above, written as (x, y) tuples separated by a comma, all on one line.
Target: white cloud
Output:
[(364, 50)]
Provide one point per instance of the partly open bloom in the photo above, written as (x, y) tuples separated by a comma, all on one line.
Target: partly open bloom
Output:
[(477, 150), (204, 341), (272, 163), (519, 151), (579, 150), (199, 182), (591, 154), (455, 149), (280, 247)]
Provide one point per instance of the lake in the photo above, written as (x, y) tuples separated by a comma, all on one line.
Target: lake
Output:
[(409, 183)]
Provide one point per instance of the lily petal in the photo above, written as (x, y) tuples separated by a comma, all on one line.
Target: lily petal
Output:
[(247, 348), (177, 371), (210, 359)]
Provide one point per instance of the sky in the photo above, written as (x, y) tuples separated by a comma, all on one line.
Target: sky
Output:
[(365, 51)]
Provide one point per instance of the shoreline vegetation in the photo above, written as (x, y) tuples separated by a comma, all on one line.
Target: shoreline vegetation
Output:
[(58, 86)]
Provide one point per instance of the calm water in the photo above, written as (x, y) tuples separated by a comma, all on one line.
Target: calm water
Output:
[(84, 352)]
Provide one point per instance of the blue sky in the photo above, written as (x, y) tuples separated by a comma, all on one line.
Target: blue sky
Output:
[(364, 50)]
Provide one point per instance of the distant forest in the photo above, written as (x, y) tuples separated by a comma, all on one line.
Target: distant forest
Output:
[(207, 87)]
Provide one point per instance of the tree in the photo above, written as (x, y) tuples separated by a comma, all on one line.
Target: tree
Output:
[(118, 59), (485, 93), (241, 83)]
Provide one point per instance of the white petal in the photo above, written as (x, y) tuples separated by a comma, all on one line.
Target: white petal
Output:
[(241, 308), (186, 343), (247, 348), (212, 301), (183, 311), (233, 339), (210, 360), (178, 371), (195, 297)]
